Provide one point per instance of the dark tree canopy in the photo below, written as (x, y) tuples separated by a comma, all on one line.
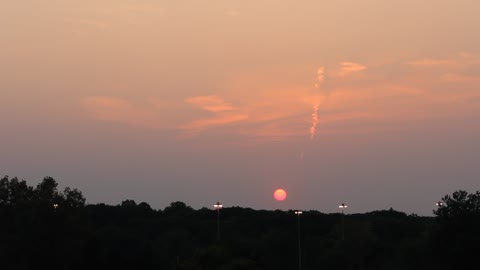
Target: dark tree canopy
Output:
[(459, 205), (178, 208), (34, 234), (456, 236), (73, 198), (15, 192)]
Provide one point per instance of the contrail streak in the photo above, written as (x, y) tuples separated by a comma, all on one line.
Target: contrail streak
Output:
[(313, 128), (316, 107)]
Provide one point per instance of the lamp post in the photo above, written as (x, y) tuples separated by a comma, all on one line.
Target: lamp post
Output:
[(343, 207), (55, 206), (218, 206), (439, 205), (298, 213)]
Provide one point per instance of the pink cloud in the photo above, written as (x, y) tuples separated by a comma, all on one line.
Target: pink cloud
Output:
[(347, 68), (201, 124), (269, 108), (114, 109), (211, 103), (427, 62), (458, 60)]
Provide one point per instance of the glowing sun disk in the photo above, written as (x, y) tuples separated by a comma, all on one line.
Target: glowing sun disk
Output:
[(280, 194)]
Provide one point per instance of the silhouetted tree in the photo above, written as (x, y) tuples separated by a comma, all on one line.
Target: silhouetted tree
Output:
[(128, 204), (456, 236), (73, 198), (4, 192), (46, 192), (177, 208), (14, 192), (144, 206), (459, 205), (134, 236)]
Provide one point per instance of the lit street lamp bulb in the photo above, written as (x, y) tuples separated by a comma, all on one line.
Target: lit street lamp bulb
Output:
[(298, 212), (218, 205), (343, 206)]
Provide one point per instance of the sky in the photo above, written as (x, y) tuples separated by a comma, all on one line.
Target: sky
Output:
[(370, 103)]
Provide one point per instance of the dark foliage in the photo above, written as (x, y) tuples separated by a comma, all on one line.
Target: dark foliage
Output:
[(35, 234)]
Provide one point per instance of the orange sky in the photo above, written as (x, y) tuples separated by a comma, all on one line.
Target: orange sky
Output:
[(156, 100)]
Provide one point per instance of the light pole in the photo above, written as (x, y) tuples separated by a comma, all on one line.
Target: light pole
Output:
[(298, 213), (55, 206), (440, 205), (343, 207), (218, 206)]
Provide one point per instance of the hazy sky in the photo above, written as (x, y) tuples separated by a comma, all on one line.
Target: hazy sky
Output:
[(373, 103)]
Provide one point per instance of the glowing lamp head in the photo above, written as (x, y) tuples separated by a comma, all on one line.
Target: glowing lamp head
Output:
[(342, 206), (218, 206), (280, 194)]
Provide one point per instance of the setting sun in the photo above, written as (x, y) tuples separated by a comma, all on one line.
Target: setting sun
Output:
[(280, 194)]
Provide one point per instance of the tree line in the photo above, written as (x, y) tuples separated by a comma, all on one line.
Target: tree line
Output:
[(43, 227)]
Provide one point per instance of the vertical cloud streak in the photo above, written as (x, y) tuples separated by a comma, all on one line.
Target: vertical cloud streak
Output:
[(316, 106)]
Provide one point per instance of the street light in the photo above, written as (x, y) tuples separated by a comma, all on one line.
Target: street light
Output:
[(298, 213), (440, 205), (218, 206), (343, 207), (55, 206)]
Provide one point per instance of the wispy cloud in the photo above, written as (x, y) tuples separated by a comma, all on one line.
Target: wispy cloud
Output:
[(278, 113), (347, 68), (455, 61), (221, 120), (114, 109), (211, 103), (262, 109), (255, 112), (428, 62)]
